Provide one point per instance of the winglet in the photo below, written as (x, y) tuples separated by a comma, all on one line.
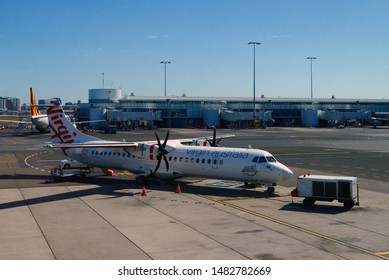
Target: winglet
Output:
[(33, 109)]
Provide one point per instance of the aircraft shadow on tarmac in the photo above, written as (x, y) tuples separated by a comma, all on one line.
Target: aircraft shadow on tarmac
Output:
[(316, 208), (23, 177), (114, 187)]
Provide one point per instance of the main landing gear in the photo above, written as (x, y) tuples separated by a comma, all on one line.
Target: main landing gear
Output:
[(270, 189)]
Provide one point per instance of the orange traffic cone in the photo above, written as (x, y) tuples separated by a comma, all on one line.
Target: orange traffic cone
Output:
[(178, 190), (143, 193)]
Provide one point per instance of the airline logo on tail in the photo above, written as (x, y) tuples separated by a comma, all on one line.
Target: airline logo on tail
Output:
[(33, 109), (58, 125)]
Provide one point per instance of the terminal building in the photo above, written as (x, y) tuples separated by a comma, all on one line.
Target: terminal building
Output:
[(130, 111)]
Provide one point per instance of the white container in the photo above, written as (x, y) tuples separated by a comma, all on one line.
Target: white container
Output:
[(327, 188)]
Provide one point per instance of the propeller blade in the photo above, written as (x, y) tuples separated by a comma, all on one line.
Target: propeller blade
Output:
[(158, 164), (213, 142), (159, 142), (162, 152), (166, 138), (214, 137), (167, 163)]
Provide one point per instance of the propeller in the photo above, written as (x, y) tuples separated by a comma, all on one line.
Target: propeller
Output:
[(214, 142), (162, 152)]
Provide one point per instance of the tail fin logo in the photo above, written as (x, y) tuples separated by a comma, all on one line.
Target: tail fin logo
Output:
[(58, 124), (33, 109)]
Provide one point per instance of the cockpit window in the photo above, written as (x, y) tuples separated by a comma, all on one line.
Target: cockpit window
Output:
[(271, 159), (261, 159), (258, 159)]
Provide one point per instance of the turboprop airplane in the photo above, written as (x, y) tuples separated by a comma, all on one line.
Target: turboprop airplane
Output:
[(144, 158)]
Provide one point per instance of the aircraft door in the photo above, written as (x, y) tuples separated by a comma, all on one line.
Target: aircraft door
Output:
[(84, 155)]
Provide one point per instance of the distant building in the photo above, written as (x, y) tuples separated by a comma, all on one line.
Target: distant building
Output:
[(10, 105)]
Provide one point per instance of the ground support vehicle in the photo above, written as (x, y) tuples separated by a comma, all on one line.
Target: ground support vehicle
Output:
[(327, 188), (58, 173)]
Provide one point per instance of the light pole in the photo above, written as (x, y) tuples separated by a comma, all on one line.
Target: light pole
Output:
[(165, 62), (311, 58), (254, 44)]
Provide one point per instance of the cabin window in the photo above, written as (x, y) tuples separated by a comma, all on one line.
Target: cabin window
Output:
[(203, 160), (221, 162), (105, 153), (197, 160), (215, 161), (170, 158), (175, 158), (192, 160), (186, 159), (181, 159), (109, 153), (209, 161)]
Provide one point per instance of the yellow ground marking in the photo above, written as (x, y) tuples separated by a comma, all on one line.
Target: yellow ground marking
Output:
[(382, 253), (307, 231)]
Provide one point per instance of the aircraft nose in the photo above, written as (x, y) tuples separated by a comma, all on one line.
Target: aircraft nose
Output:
[(286, 173)]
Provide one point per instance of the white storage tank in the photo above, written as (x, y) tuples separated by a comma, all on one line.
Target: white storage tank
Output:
[(104, 95)]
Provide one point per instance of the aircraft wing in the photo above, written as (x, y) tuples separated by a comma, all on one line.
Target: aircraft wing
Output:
[(12, 121), (204, 139), (81, 122), (379, 119)]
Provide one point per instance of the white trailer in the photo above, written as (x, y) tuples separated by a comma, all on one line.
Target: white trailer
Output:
[(327, 188), (59, 173)]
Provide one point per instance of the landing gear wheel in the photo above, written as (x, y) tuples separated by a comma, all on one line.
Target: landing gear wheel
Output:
[(308, 201), (141, 180), (348, 205), (270, 190)]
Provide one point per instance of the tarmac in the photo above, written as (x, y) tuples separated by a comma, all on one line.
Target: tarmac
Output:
[(106, 218)]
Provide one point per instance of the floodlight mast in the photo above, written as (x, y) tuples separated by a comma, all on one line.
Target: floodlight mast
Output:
[(254, 111), (165, 62), (311, 58)]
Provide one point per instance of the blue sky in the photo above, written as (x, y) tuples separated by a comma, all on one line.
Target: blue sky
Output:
[(61, 48)]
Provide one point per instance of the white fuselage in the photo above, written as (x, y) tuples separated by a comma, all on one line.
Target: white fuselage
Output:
[(41, 122), (247, 165)]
